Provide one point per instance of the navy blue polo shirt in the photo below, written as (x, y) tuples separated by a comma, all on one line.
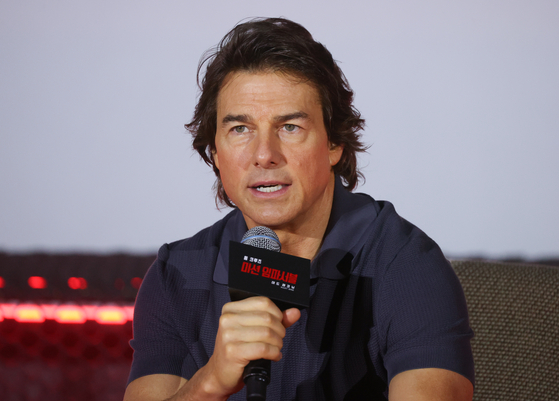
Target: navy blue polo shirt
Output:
[(383, 300)]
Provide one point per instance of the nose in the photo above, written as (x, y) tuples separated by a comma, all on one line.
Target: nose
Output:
[(267, 151)]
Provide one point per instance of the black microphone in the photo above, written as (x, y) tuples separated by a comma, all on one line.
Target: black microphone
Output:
[(256, 267), (257, 373)]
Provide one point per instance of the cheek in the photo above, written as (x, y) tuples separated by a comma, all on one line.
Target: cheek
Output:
[(223, 157), (226, 180), (231, 173), (227, 153), (313, 167)]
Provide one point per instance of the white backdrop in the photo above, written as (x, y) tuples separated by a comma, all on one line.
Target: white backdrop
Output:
[(461, 101)]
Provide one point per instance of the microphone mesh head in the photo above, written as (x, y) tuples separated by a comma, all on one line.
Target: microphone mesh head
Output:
[(262, 237)]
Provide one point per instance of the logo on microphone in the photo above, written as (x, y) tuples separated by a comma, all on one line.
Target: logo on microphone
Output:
[(282, 279), (285, 279)]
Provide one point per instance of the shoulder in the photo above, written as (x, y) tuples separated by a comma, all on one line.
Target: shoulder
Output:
[(407, 261), (208, 237), (398, 234), (420, 309), (187, 263), (394, 243)]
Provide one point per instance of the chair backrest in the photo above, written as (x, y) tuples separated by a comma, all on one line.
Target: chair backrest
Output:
[(514, 312)]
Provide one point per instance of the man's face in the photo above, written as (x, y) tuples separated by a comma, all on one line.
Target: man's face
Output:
[(272, 150)]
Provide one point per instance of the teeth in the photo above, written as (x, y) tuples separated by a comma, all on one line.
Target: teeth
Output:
[(273, 188)]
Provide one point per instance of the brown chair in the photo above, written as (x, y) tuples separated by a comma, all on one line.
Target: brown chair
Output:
[(514, 312)]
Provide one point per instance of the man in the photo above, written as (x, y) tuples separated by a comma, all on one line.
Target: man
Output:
[(387, 316)]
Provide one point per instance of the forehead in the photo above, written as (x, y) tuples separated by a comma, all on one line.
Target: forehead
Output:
[(266, 89)]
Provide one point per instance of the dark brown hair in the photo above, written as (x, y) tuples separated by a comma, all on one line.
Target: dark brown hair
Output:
[(278, 45)]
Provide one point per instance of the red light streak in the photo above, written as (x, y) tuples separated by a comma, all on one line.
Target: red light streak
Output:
[(129, 312), (66, 313), (69, 314), (2, 282), (29, 313), (49, 310), (8, 310), (111, 315)]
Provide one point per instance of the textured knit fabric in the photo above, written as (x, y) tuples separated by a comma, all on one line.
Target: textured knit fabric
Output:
[(383, 300), (514, 311)]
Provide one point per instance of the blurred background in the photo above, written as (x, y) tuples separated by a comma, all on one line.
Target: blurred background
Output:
[(461, 101)]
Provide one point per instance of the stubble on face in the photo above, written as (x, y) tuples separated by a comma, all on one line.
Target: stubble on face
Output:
[(273, 152)]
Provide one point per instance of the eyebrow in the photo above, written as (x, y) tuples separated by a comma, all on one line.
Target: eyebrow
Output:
[(239, 118), (298, 115), (244, 118)]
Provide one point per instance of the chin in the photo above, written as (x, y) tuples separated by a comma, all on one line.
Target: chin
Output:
[(270, 221)]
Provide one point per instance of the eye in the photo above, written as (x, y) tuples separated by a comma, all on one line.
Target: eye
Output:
[(239, 129), (290, 127)]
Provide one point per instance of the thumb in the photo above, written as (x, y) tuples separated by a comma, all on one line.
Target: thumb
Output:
[(290, 316)]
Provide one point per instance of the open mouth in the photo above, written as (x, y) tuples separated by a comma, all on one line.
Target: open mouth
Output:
[(269, 188)]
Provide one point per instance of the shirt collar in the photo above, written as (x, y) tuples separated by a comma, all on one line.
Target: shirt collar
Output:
[(352, 214), (350, 217)]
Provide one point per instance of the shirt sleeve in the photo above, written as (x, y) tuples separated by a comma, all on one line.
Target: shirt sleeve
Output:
[(157, 344), (422, 313)]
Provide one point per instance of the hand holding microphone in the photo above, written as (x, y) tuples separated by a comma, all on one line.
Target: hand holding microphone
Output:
[(257, 373), (257, 268), (250, 329), (266, 287)]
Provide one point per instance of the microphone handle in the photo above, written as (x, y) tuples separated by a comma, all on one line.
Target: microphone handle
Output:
[(256, 377)]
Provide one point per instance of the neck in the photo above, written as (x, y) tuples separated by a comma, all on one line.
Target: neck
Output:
[(301, 245), (304, 240)]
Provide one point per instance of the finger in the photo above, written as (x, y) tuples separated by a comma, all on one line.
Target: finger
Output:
[(290, 317), (245, 352), (252, 334), (251, 304), (252, 319)]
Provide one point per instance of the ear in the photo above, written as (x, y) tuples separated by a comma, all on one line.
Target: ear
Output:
[(335, 154), (215, 158)]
